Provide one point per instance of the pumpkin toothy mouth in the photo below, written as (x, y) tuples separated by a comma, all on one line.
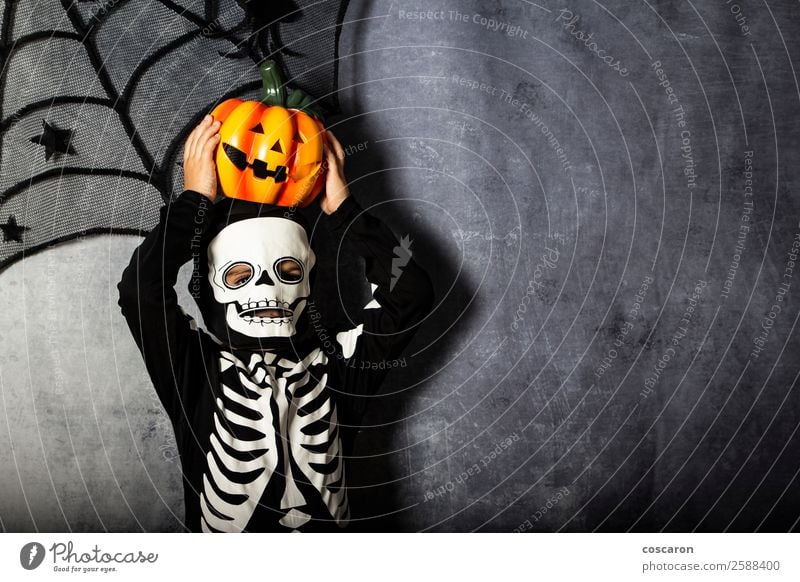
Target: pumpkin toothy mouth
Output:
[(260, 169)]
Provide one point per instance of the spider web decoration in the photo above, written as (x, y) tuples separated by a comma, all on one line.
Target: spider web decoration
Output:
[(98, 96)]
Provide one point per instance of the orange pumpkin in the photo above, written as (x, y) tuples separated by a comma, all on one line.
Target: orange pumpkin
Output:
[(269, 153)]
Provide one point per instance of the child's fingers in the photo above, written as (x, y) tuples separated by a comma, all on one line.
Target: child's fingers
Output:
[(208, 147), (330, 158), (331, 137), (331, 141), (337, 147), (207, 133), (189, 146)]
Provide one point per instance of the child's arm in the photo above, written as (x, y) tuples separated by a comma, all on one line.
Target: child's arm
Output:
[(164, 334), (402, 290)]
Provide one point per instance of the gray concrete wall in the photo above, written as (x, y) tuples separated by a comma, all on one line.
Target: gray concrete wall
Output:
[(571, 377)]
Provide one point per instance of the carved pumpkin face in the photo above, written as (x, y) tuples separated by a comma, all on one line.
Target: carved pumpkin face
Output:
[(269, 154)]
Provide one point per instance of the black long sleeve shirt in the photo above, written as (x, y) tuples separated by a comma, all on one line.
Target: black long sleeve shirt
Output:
[(261, 437)]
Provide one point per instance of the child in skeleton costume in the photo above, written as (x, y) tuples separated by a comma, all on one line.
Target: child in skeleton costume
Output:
[(265, 412)]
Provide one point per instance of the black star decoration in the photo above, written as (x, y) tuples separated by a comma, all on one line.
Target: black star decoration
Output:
[(54, 140), (12, 231)]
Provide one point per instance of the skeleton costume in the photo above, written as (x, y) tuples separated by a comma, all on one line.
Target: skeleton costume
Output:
[(265, 409)]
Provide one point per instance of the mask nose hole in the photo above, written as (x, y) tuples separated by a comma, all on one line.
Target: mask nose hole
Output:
[(265, 279)]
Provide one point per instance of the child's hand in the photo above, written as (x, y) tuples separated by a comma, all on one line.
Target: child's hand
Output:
[(199, 169), (335, 185)]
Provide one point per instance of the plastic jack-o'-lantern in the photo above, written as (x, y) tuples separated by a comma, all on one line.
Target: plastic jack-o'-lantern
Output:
[(270, 151)]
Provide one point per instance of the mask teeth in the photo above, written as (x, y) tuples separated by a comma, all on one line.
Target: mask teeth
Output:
[(265, 321), (266, 303)]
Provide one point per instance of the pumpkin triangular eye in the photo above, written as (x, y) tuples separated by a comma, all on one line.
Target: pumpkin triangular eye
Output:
[(276, 147), (258, 128)]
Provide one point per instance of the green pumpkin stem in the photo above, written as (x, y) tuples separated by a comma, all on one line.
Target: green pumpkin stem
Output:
[(273, 93)]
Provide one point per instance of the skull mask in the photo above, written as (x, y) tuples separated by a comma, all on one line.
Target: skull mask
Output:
[(258, 268)]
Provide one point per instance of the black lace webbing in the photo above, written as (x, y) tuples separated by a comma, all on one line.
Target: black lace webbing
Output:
[(97, 98)]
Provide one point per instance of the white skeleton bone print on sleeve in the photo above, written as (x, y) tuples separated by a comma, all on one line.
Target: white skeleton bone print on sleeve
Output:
[(269, 414)]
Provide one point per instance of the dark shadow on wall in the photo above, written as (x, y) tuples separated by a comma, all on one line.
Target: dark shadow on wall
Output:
[(384, 471)]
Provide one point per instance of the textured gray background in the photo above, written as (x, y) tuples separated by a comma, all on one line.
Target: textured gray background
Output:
[(473, 180)]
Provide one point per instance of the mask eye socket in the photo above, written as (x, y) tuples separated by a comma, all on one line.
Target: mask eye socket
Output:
[(237, 274), (289, 270)]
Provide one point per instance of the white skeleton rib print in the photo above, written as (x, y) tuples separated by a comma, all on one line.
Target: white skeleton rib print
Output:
[(272, 412)]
